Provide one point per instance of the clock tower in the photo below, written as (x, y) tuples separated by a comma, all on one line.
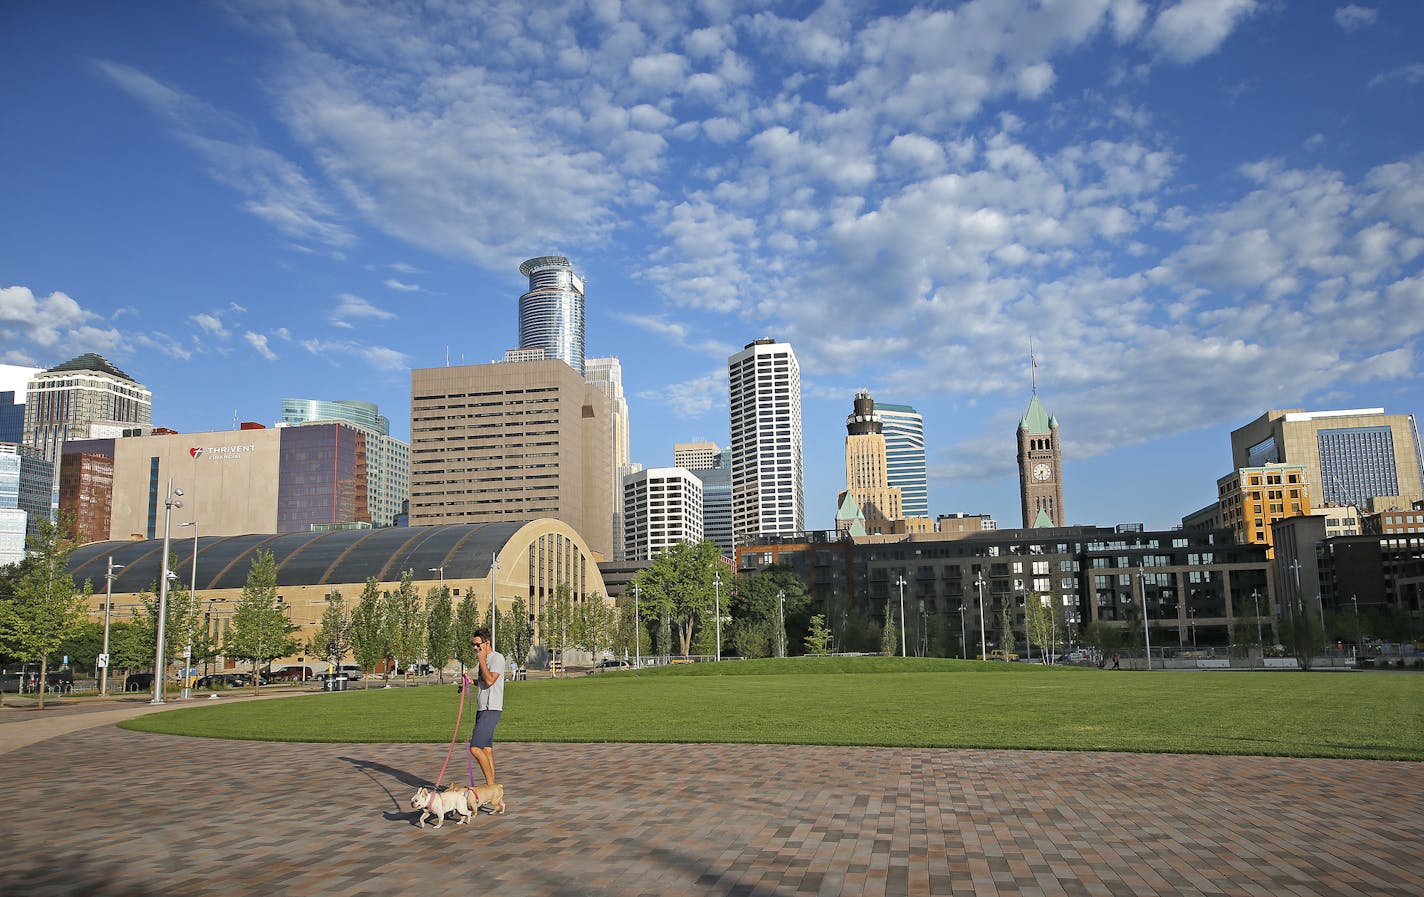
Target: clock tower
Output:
[(1040, 467)]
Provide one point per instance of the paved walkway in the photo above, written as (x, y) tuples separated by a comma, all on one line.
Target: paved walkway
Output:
[(102, 811)]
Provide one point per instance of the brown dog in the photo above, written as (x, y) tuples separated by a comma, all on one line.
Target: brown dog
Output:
[(491, 797)]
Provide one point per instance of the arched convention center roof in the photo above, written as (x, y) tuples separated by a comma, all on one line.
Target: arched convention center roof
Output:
[(464, 550)]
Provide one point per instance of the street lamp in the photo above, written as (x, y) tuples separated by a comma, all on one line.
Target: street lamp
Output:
[(1192, 622), (963, 646), (159, 661), (637, 631), (494, 568), (1260, 639), (900, 581), (717, 597), (1146, 635), (109, 605), (983, 641), (1028, 642), (1359, 637), (192, 597)]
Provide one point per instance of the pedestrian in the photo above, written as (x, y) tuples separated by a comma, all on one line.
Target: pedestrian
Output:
[(1117, 662), (489, 702)]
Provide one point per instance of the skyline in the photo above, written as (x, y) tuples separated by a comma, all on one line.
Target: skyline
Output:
[(1198, 211)]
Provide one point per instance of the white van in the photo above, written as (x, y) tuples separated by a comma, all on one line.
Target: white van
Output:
[(350, 671)]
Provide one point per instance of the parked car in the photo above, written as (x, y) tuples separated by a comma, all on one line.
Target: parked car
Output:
[(997, 654), (350, 671), (138, 682), (614, 664)]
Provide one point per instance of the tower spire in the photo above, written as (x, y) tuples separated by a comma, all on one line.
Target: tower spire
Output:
[(1032, 368)]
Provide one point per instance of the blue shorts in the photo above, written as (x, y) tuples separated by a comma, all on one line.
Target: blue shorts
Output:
[(482, 735)]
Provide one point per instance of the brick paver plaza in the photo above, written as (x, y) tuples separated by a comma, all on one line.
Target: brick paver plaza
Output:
[(103, 811)]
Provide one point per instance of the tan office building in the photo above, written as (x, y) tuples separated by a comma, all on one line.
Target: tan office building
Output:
[(1351, 457), (512, 441), (235, 482)]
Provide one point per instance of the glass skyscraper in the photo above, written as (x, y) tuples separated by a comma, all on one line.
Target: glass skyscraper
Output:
[(904, 430), (387, 459), (26, 479), (551, 313)]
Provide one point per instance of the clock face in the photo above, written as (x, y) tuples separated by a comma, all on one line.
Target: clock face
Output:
[(1042, 471)]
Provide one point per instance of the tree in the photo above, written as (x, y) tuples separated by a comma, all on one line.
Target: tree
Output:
[(1040, 623), (752, 638), (762, 601), (818, 639), (631, 638), (890, 635), (405, 622), (556, 627), (368, 630), (47, 607), (1303, 635), (260, 631), (516, 633), (439, 629), (593, 624), (333, 637), (182, 626), (1104, 638), (1006, 626), (678, 588), (467, 620)]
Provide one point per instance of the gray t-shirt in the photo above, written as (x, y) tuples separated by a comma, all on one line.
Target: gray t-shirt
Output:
[(491, 697)]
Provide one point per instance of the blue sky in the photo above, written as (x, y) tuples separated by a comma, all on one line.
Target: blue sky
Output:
[(1198, 210)]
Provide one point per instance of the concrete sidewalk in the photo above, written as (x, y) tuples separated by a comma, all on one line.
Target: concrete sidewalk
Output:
[(114, 812)]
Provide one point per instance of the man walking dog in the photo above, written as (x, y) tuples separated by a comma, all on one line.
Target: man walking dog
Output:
[(489, 702)]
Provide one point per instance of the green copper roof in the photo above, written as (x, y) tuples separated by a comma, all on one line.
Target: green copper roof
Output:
[(850, 510), (1036, 419), (1042, 520)]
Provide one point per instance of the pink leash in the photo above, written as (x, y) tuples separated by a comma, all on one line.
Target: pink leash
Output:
[(464, 690)]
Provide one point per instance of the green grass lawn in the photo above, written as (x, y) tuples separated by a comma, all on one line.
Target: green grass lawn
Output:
[(878, 701)]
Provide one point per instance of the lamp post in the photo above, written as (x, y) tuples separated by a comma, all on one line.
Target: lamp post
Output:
[(983, 641), (1146, 635), (193, 598), (494, 568), (1359, 637), (1028, 642), (159, 663), (963, 645), (1260, 638), (109, 606), (1192, 622), (717, 608), (900, 581), (637, 630)]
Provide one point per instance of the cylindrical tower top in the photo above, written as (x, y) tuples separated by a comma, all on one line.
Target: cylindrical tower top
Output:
[(862, 420), (551, 314)]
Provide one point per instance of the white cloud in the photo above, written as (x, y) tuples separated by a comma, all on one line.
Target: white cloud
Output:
[(1410, 74), (210, 323), (379, 357), (1355, 17), (692, 398), (1192, 29), (259, 343), (403, 287), (350, 306), (275, 188), (38, 323)]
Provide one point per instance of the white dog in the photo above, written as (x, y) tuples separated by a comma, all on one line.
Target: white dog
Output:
[(435, 804)]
